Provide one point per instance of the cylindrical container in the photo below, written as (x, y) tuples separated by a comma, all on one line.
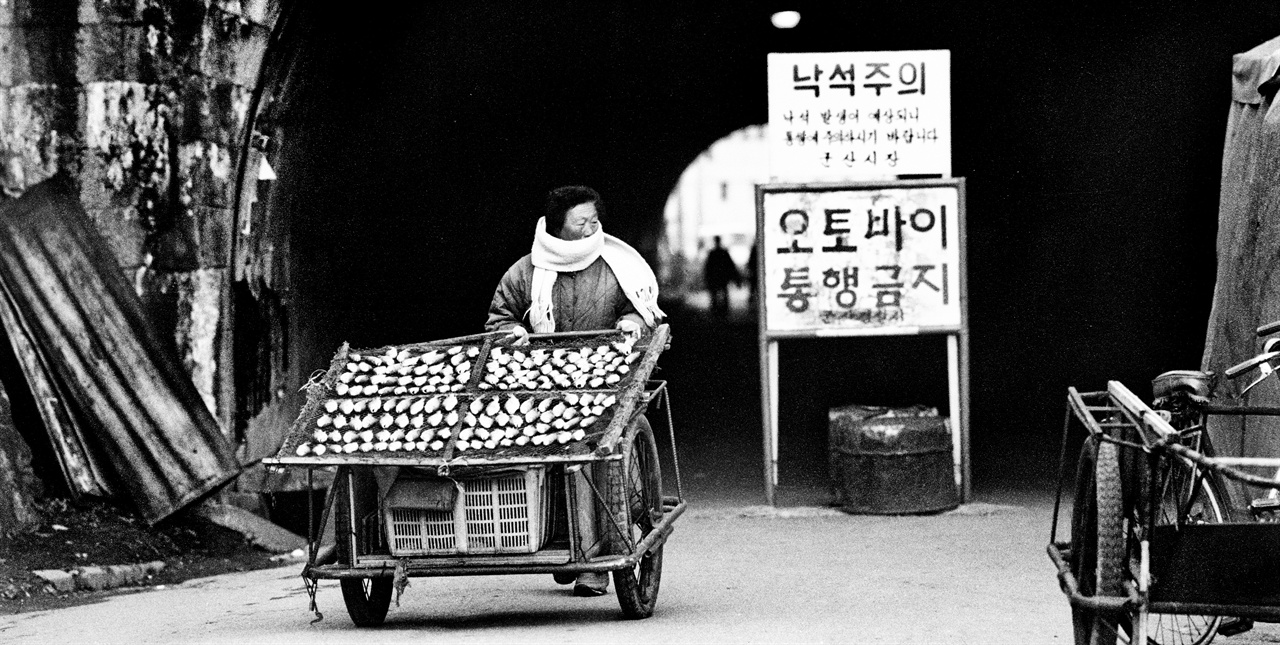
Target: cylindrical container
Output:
[(891, 461)]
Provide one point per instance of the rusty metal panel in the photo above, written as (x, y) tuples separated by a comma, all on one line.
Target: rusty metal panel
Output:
[(141, 409), (83, 471)]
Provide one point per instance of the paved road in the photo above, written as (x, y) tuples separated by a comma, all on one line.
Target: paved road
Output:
[(732, 575)]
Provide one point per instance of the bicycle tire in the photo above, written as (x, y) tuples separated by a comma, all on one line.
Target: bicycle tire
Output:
[(1203, 504), (1097, 539)]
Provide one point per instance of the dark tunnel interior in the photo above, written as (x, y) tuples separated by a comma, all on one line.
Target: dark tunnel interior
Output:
[(421, 141)]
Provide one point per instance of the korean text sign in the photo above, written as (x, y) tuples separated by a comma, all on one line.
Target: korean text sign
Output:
[(861, 258), (847, 116)]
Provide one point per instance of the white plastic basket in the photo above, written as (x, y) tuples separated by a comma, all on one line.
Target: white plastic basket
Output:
[(497, 514)]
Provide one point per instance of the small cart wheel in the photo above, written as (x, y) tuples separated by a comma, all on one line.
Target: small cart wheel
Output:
[(367, 599), (1097, 539), (635, 502)]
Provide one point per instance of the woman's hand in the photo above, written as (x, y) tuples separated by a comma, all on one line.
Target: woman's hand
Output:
[(629, 327), (519, 335)]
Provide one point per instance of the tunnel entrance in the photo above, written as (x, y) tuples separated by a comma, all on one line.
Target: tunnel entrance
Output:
[(714, 198), (407, 183), (415, 152), (405, 204)]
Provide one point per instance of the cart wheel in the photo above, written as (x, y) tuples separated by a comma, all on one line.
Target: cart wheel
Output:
[(1097, 539), (367, 599), (1202, 504), (635, 501)]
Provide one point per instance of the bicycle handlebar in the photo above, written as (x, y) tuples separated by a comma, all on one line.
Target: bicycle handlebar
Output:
[(1241, 368), (1268, 329)]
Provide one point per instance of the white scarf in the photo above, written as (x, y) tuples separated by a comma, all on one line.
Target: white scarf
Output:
[(552, 255)]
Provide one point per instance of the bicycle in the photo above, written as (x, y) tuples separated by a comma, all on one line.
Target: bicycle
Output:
[(1155, 547)]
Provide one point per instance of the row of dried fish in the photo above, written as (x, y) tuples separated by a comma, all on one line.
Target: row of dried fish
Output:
[(339, 412), (399, 439), (405, 372), (566, 412), (486, 422), (558, 368), (432, 440)]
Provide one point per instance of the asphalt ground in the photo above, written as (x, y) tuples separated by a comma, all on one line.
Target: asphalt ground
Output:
[(735, 571), (732, 574)]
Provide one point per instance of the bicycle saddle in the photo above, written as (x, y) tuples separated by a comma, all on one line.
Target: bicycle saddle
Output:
[(1194, 383)]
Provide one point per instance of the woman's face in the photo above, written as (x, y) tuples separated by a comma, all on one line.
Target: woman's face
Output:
[(581, 221)]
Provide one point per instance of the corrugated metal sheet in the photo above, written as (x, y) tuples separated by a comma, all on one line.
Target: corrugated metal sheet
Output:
[(140, 410), (85, 474)]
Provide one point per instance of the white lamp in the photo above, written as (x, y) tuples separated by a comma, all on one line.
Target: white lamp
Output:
[(785, 19)]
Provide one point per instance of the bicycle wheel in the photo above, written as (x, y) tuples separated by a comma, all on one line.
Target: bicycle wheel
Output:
[(635, 502), (1097, 539), (1198, 498), (367, 599)]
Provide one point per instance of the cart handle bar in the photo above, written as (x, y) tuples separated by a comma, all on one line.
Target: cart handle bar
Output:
[(1167, 438), (503, 332), (577, 334), (1134, 407)]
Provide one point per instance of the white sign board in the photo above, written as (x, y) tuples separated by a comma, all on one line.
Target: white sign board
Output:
[(858, 259), (847, 116)]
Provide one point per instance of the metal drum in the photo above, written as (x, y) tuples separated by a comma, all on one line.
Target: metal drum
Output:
[(891, 460)]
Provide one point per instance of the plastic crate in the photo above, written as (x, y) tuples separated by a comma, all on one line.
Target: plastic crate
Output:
[(497, 514)]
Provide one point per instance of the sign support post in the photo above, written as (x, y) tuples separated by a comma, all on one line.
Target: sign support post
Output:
[(863, 259), (769, 381)]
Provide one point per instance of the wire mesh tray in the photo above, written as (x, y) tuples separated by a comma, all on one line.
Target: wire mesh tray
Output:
[(471, 399)]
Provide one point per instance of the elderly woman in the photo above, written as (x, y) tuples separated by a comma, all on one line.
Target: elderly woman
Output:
[(576, 278)]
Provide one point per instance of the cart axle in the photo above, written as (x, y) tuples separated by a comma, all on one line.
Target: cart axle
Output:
[(422, 567)]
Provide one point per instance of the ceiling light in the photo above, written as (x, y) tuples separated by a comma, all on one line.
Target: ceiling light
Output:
[(786, 19)]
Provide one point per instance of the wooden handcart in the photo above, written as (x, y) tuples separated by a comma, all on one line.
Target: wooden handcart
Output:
[(1157, 552), (484, 467)]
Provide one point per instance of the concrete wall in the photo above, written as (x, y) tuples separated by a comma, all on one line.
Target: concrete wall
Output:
[(145, 104)]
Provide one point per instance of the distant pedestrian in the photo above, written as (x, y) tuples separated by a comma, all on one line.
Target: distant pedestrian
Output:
[(719, 272)]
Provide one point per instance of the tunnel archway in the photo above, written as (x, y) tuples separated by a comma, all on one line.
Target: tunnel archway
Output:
[(415, 152), (715, 197)]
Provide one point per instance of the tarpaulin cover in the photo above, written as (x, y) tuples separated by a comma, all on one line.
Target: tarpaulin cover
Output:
[(140, 409), (1247, 290)]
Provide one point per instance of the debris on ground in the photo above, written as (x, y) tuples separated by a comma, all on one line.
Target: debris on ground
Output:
[(261, 533), (99, 536)]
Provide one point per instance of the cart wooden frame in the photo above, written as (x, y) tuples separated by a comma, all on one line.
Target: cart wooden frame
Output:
[(1155, 551), (631, 541)]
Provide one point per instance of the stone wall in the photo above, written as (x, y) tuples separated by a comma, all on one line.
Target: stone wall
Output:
[(145, 103)]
